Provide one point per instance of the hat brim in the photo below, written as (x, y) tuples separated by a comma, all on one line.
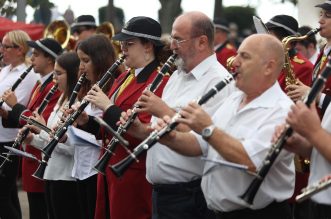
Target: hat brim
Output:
[(324, 6), (271, 26), (33, 44), (123, 37)]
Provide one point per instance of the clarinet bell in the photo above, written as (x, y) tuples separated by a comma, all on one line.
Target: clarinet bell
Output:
[(101, 165), (39, 174)]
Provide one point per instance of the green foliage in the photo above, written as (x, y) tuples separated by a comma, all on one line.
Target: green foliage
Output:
[(239, 15)]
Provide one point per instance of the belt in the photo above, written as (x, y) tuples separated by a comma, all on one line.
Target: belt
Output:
[(177, 187)]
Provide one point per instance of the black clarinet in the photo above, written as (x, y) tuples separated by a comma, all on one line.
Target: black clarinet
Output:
[(119, 168), (276, 148), (48, 149), (21, 137), (110, 148), (18, 81), (76, 90)]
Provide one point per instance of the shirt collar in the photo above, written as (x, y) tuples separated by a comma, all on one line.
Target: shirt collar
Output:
[(19, 67), (267, 99), (199, 70), (45, 77)]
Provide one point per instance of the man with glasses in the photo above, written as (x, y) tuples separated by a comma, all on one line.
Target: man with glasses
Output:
[(175, 178)]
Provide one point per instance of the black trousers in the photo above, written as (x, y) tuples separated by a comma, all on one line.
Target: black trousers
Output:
[(319, 211), (87, 194), (180, 201), (62, 199), (37, 205), (275, 210), (9, 202)]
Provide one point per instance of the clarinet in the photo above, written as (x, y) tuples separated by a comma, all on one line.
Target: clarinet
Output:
[(314, 188), (276, 148), (110, 148), (18, 81), (48, 149), (21, 137), (77, 87), (119, 168)]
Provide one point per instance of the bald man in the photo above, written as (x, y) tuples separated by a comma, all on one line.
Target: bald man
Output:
[(240, 132)]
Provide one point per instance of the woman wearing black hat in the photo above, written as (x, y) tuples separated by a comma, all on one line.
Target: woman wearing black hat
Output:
[(131, 195)]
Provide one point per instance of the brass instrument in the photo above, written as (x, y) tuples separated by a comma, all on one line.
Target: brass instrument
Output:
[(229, 64), (314, 188), (290, 77), (59, 30), (108, 29), (301, 165)]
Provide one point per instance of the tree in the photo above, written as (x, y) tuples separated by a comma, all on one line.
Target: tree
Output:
[(170, 9)]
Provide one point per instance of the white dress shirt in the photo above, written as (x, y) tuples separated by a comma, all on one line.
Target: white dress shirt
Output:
[(86, 156), (62, 159), (8, 76), (253, 125), (164, 166), (320, 167)]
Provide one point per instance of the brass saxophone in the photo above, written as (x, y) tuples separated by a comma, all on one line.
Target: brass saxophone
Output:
[(301, 165), (290, 77)]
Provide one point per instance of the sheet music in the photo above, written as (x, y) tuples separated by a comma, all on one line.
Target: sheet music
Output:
[(81, 138)]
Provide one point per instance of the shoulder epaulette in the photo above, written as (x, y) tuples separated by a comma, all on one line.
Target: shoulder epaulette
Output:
[(298, 60), (229, 46)]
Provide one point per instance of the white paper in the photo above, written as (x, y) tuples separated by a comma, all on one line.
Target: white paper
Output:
[(79, 137)]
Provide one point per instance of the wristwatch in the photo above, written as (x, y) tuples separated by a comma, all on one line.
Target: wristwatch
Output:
[(208, 131)]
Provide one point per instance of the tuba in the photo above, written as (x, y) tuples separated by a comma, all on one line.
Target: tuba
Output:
[(59, 30)]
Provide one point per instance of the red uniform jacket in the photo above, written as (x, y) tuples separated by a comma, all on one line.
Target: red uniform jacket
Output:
[(131, 195), (302, 68), (30, 183), (225, 51)]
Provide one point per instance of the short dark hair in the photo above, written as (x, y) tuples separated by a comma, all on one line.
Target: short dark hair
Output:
[(203, 26), (303, 30)]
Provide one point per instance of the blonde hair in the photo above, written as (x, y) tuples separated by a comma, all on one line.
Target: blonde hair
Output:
[(19, 38)]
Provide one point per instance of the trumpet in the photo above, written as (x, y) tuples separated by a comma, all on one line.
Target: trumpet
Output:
[(110, 148), (276, 148), (19, 80), (314, 188), (48, 149), (119, 168)]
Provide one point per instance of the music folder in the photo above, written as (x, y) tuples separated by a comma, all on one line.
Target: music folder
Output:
[(81, 138)]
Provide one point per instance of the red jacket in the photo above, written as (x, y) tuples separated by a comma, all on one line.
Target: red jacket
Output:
[(30, 183), (131, 195), (224, 52), (302, 68)]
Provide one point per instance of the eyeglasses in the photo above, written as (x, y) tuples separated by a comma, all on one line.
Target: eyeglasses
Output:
[(177, 42), (325, 14), (126, 44), (6, 47)]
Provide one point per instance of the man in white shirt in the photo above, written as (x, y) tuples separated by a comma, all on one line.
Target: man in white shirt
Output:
[(240, 132), (176, 178), (312, 140)]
